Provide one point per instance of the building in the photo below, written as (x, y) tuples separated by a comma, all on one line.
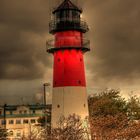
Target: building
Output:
[(69, 84), (19, 120)]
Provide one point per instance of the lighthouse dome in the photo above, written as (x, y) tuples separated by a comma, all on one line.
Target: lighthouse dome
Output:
[(67, 5), (67, 16)]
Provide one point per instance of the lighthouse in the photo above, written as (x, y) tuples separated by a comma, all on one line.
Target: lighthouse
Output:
[(69, 95)]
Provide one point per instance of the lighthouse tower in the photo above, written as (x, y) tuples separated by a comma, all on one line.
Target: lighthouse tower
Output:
[(69, 84)]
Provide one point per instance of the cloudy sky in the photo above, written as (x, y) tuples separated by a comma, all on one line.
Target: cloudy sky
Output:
[(114, 60)]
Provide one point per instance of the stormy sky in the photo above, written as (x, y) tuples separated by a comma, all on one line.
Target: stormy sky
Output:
[(114, 60)]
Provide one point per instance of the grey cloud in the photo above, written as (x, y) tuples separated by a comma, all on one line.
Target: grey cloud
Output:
[(114, 34), (115, 39), (23, 33)]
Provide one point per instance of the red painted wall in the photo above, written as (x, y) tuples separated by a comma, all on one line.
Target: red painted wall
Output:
[(68, 64), (68, 68), (68, 38)]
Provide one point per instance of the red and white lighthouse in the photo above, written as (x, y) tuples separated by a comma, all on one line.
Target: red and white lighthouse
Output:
[(69, 84)]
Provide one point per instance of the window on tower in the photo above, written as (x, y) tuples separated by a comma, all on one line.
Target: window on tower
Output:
[(84, 105), (57, 16), (62, 15), (66, 15), (58, 106), (79, 82), (75, 15)]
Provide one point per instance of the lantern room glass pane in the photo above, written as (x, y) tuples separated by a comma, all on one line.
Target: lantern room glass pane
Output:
[(67, 15)]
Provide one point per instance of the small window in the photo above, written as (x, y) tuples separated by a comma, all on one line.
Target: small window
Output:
[(11, 112), (0, 112), (58, 106), (33, 121), (79, 82), (10, 133), (11, 121), (20, 112), (3, 122), (84, 105), (25, 111), (18, 121), (25, 121), (18, 134), (34, 112)]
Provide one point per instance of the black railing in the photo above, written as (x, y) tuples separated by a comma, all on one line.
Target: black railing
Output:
[(51, 48), (62, 25)]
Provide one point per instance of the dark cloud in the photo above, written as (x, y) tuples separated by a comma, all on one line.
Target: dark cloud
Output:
[(23, 32), (114, 34)]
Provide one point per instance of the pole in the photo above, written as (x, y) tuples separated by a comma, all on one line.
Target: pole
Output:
[(44, 85), (44, 88), (30, 131), (4, 115)]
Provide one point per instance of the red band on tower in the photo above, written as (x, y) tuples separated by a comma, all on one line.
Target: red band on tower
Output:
[(68, 68)]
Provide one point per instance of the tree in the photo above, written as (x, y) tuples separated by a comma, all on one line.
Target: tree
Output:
[(114, 127), (45, 122), (133, 106), (111, 117), (71, 128), (36, 133), (3, 134), (108, 102), (68, 128), (41, 121)]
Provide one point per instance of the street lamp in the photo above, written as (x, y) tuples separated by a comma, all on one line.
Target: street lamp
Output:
[(44, 86)]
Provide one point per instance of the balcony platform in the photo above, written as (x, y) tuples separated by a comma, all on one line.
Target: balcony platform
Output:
[(51, 48)]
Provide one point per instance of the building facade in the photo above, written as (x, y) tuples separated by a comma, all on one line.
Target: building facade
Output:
[(20, 120)]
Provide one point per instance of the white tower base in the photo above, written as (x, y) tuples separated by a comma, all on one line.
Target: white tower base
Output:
[(67, 101)]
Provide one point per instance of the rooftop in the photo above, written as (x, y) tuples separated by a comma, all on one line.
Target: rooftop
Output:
[(67, 5), (32, 107)]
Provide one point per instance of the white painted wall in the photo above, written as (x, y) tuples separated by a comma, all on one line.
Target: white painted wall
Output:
[(72, 100)]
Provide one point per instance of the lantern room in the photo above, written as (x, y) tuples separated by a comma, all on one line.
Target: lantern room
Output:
[(67, 17)]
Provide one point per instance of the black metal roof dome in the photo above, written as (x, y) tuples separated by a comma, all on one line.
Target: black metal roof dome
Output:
[(67, 5)]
